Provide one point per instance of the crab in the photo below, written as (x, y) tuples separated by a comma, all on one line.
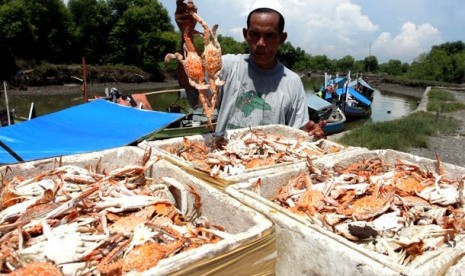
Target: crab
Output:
[(440, 193), (191, 62), (49, 246), (188, 199), (38, 268), (368, 206), (140, 254), (126, 203), (195, 71), (211, 57)]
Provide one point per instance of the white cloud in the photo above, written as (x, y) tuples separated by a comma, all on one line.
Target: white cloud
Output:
[(336, 28), (408, 44)]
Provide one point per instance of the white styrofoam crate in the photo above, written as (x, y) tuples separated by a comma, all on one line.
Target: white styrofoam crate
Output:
[(169, 147), (248, 228), (304, 247)]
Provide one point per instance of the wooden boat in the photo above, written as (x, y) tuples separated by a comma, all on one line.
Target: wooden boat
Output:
[(354, 98), (335, 122), (363, 88), (320, 109), (354, 104), (172, 100)]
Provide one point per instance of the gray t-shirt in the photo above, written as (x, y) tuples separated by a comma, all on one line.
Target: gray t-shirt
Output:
[(252, 96)]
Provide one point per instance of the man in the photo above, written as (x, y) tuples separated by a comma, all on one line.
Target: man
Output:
[(258, 89)]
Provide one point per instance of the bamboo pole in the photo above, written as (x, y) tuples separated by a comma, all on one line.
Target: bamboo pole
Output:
[(7, 104), (84, 79), (161, 91)]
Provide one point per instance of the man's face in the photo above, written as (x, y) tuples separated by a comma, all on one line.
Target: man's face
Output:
[(264, 38)]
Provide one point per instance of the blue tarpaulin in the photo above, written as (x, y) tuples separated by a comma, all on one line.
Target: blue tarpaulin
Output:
[(359, 97), (316, 103), (87, 127)]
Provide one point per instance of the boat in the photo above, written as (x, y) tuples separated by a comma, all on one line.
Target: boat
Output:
[(194, 121), (354, 98), (363, 87), (354, 104), (320, 109)]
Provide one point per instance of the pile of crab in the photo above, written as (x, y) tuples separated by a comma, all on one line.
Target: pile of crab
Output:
[(252, 149), (75, 220), (396, 209)]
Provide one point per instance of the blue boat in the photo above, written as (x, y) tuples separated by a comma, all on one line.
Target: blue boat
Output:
[(354, 104), (363, 88), (354, 98), (320, 109)]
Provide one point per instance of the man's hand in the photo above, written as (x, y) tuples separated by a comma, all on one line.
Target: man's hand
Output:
[(315, 130), (182, 16)]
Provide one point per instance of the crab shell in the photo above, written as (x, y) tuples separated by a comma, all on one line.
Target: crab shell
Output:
[(38, 268)]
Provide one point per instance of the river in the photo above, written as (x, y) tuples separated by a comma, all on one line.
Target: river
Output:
[(386, 106)]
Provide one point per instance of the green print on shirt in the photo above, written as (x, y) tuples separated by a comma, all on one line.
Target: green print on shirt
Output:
[(249, 101)]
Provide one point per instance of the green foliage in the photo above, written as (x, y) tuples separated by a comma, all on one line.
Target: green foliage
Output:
[(231, 46), (345, 64), (289, 55), (39, 30), (444, 63), (392, 67), (401, 134), (370, 64), (140, 33), (443, 101), (93, 22)]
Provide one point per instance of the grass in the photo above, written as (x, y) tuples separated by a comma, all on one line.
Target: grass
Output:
[(401, 134), (443, 101)]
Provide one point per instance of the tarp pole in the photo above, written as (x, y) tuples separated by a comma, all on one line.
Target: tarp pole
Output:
[(10, 151), (31, 111), (7, 104), (84, 75)]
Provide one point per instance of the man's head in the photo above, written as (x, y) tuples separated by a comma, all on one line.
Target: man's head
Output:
[(265, 32)]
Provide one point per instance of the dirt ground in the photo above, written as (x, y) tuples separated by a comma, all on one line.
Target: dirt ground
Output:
[(451, 148)]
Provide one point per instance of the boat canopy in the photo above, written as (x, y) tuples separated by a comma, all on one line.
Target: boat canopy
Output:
[(316, 103), (91, 126), (362, 83), (359, 97)]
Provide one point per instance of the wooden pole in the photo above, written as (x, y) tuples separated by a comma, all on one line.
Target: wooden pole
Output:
[(161, 91), (10, 151), (84, 79), (7, 104)]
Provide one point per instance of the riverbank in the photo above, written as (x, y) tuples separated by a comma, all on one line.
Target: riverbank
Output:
[(450, 148), (92, 88)]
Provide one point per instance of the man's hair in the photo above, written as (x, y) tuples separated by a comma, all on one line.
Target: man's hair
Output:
[(267, 10)]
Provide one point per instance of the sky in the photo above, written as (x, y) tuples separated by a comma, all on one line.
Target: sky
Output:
[(394, 29)]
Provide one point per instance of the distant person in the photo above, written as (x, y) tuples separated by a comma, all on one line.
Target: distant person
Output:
[(258, 89)]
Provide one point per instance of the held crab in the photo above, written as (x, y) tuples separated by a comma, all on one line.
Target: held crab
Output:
[(211, 58), (196, 66)]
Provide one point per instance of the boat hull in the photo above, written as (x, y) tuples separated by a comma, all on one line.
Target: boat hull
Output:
[(335, 123), (356, 112)]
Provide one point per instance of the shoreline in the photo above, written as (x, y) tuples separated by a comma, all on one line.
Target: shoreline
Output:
[(92, 88), (98, 88)]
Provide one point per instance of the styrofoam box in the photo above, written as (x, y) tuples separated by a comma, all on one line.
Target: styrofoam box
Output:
[(166, 148), (307, 248), (248, 228)]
